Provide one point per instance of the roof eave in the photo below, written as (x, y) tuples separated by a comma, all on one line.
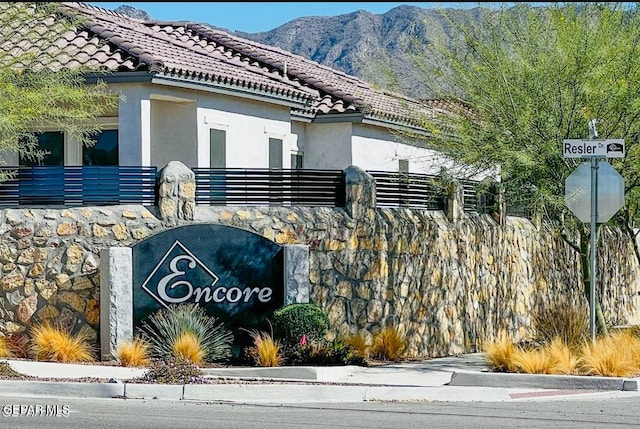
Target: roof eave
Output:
[(119, 77), (235, 91), (396, 125), (331, 118)]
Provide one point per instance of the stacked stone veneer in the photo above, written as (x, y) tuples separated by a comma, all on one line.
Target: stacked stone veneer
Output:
[(448, 284)]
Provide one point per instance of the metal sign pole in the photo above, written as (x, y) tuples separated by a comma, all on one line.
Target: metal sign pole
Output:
[(593, 133), (594, 217)]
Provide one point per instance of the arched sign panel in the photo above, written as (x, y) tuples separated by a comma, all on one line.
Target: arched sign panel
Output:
[(234, 274)]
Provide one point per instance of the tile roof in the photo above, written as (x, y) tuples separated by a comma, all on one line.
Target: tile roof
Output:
[(201, 54)]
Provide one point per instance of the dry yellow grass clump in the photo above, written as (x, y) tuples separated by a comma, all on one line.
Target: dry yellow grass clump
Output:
[(499, 354), (616, 355), (189, 347), (358, 343), (133, 353), (265, 350), (53, 343), (5, 351), (613, 356), (388, 344)]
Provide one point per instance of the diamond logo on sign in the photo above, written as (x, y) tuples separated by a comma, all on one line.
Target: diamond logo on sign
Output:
[(174, 277)]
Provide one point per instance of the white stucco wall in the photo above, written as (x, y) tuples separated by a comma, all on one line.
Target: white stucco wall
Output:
[(159, 123), (174, 133), (248, 125), (375, 148), (326, 146)]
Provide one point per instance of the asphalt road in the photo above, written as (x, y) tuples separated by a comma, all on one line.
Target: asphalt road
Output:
[(19, 413)]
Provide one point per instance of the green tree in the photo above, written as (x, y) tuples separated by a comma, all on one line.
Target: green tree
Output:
[(37, 89), (526, 78)]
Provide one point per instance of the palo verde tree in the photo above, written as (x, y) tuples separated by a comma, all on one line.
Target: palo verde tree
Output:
[(38, 92), (527, 78)]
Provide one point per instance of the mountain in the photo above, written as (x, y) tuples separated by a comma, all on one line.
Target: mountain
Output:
[(132, 12), (378, 48)]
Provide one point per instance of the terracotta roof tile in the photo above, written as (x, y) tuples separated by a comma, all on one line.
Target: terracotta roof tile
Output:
[(199, 52)]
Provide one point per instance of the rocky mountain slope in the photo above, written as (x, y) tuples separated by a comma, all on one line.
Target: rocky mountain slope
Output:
[(378, 48)]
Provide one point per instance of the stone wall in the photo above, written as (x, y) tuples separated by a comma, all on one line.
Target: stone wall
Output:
[(448, 283)]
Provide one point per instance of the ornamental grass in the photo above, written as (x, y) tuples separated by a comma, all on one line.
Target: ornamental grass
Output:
[(53, 343), (189, 347), (388, 344), (5, 351), (265, 351), (167, 327), (499, 354), (133, 353), (614, 355)]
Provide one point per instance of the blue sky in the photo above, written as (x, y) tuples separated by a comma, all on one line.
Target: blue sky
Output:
[(254, 17)]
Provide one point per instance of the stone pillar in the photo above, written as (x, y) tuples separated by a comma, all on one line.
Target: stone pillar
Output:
[(177, 193), (501, 210), (454, 201), (360, 191), (296, 274), (116, 300)]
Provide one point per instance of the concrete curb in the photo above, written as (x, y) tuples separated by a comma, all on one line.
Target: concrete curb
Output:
[(311, 373), (248, 393), (540, 381)]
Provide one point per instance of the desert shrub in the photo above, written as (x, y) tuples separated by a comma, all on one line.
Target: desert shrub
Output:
[(357, 343), (163, 328), (610, 356), (173, 370), (292, 322), (5, 351), (323, 352), (563, 320), (265, 350), (565, 360), (388, 344), (499, 353), (133, 353), (532, 361), (189, 347), (18, 344), (54, 343)]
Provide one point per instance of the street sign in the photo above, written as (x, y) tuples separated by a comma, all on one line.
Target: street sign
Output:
[(589, 148), (610, 192)]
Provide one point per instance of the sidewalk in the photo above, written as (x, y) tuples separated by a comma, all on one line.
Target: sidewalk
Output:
[(461, 378)]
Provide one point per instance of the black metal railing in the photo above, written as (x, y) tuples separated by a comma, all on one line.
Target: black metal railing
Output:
[(479, 197), (78, 185), (408, 190), (112, 185), (262, 186)]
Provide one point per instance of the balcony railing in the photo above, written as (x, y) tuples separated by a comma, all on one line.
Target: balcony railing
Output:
[(78, 185), (278, 187), (113, 185), (408, 190)]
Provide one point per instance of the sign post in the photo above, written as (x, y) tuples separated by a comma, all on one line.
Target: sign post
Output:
[(594, 149)]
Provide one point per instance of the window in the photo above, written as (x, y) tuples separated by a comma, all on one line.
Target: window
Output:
[(275, 179), (104, 152), (52, 142), (217, 148), (218, 159), (275, 153)]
